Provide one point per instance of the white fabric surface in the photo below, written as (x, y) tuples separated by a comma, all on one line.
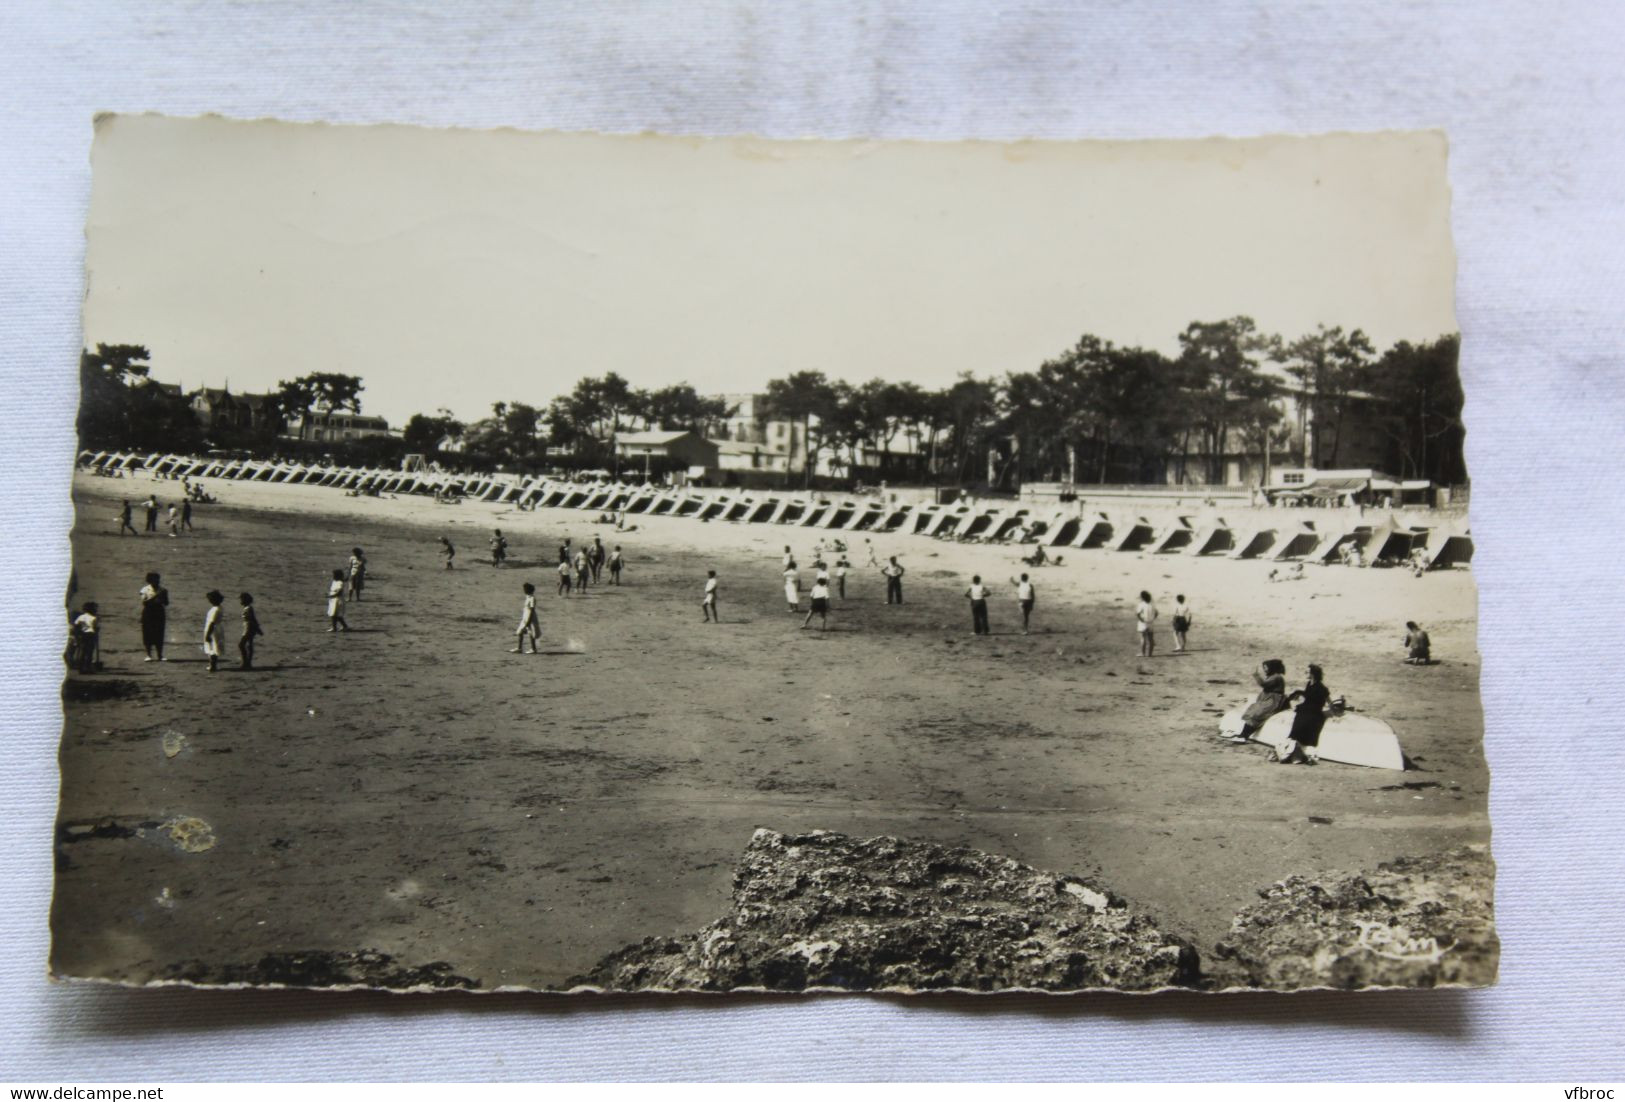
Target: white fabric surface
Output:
[(1532, 98)]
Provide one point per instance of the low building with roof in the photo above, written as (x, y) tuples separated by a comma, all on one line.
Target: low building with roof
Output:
[(688, 448)]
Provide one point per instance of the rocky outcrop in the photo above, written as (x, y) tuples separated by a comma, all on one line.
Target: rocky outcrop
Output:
[(824, 910), (322, 968), (1414, 922)]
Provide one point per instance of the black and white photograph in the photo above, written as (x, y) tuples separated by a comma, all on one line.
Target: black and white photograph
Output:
[(570, 562)]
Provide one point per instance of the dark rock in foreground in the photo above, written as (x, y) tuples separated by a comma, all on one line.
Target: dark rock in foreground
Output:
[(826, 910), (320, 968), (1414, 922)]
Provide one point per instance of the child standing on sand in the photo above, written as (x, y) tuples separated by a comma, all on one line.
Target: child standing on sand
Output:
[(841, 567), (87, 634), (1145, 614), (564, 579), (1183, 619), (358, 573), (251, 631), (173, 519), (212, 629), (595, 558), (529, 626), (583, 570), (616, 562), (708, 603), (1026, 596), (335, 603), (447, 551), (819, 605)]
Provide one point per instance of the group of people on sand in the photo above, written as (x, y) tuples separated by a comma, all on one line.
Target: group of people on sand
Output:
[(84, 629), (1313, 700), (177, 520), (819, 595), (1145, 624), (578, 567)]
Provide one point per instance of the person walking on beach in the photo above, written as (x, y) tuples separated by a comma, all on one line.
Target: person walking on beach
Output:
[(335, 603), (893, 571), (841, 567), (1145, 615), (186, 514), (564, 579), (358, 573), (1418, 647), (124, 521), (616, 561), (595, 558), (583, 570), (251, 631), (154, 611), (1183, 619), (1303, 744), (792, 585), (870, 547), (151, 506), (499, 547), (977, 593), (1026, 596), (819, 602), (708, 603), (447, 551), (529, 626), (173, 519)]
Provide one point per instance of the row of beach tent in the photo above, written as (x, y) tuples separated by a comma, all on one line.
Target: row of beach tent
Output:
[(1330, 537)]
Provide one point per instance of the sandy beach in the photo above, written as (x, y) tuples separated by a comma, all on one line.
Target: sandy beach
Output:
[(413, 789)]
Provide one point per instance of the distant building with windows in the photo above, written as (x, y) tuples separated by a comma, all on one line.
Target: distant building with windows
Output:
[(749, 440), (338, 426), (220, 408)]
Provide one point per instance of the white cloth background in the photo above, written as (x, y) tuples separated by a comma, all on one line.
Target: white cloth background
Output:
[(1532, 97)]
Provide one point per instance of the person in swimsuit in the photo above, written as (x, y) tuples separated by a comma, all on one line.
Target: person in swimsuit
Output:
[(251, 631), (529, 626), (1418, 647), (708, 603)]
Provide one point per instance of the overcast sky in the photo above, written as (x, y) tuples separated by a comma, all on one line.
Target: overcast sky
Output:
[(457, 268)]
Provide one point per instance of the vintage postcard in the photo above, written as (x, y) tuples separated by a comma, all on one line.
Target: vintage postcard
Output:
[(565, 562)]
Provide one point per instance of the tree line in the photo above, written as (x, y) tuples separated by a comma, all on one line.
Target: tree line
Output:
[(1095, 412), (1102, 412)]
